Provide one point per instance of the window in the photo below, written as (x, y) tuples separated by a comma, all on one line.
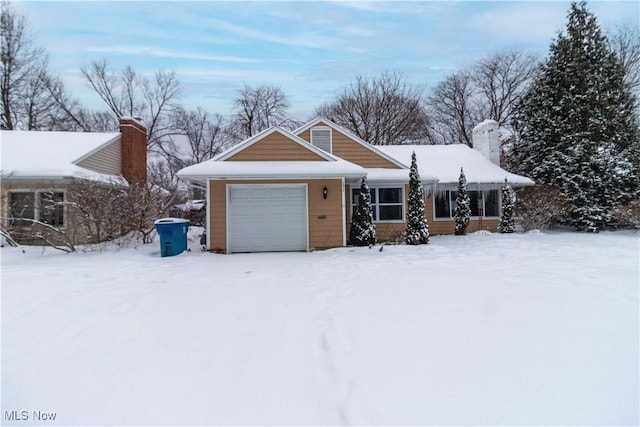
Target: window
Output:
[(43, 206), (321, 138), (482, 203), (51, 208), (21, 206), (444, 205), (492, 203), (387, 203)]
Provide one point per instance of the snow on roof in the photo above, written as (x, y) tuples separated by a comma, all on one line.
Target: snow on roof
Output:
[(445, 161), (396, 175), (272, 169), (50, 155)]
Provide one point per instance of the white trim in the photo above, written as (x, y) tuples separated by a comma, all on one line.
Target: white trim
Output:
[(229, 187), (352, 136), (258, 137), (227, 190), (275, 177), (209, 228), (344, 216), (306, 211)]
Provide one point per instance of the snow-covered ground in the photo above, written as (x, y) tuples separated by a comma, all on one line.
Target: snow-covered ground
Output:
[(485, 329)]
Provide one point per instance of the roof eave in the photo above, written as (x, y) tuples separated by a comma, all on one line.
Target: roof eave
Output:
[(501, 182)]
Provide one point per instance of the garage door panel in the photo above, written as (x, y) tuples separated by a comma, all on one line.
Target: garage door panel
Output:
[(267, 218)]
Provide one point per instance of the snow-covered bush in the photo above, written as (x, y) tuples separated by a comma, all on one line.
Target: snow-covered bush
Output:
[(463, 206), (417, 228), (507, 223), (363, 230)]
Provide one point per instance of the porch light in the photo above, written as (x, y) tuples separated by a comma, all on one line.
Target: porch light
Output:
[(325, 192)]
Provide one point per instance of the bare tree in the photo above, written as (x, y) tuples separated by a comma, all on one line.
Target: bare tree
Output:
[(203, 136), (126, 93), (382, 111), (256, 109), (453, 108), (25, 104), (490, 89), (500, 80), (31, 97), (70, 115), (624, 39)]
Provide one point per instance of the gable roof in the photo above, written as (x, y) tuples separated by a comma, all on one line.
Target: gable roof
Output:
[(329, 166), (350, 135), (50, 155), (261, 135), (445, 161)]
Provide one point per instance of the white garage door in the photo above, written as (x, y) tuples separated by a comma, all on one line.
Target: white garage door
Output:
[(266, 218)]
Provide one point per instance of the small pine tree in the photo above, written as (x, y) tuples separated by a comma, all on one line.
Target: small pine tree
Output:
[(363, 230), (417, 228), (507, 224), (463, 206)]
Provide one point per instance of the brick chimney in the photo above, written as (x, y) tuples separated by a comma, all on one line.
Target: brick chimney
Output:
[(487, 141), (134, 150)]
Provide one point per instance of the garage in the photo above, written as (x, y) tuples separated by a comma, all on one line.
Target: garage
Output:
[(267, 217)]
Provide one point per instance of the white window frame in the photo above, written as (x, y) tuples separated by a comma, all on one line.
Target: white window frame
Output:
[(452, 209), (325, 128), (36, 204), (376, 205)]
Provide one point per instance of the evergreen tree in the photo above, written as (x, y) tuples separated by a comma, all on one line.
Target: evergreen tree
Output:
[(577, 128), (363, 230), (507, 224), (417, 228), (463, 206)]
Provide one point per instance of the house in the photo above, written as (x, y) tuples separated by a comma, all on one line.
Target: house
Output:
[(39, 167), (295, 191)]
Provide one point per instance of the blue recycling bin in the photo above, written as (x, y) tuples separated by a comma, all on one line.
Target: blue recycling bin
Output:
[(173, 235)]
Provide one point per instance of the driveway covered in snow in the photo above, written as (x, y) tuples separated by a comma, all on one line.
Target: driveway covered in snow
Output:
[(484, 329)]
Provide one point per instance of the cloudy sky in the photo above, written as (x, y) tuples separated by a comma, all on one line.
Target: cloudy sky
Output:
[(311, 49)]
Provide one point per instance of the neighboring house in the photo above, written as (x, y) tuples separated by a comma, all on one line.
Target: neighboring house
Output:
[(39, 168), (288, 191)]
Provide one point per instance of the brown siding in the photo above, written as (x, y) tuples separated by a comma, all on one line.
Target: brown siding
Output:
[(348, 149), (446, 226), (275, 147), (323, 233), (107, 160)]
